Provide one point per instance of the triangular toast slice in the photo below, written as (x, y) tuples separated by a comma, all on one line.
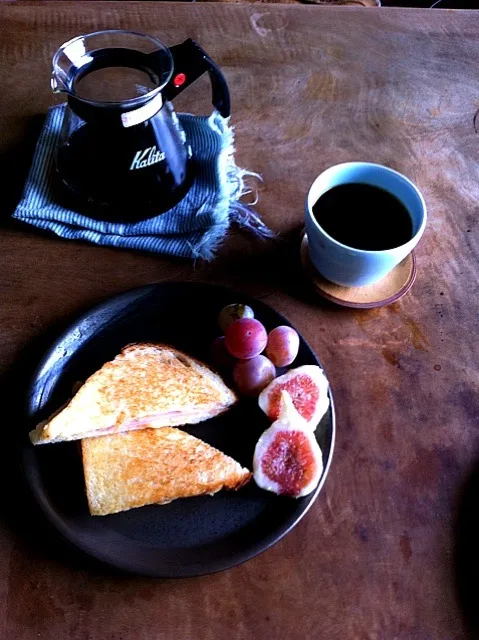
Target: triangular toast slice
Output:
[(138, 468), (146, 384)]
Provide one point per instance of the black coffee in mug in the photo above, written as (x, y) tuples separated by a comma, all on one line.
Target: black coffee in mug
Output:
[(363, 216)]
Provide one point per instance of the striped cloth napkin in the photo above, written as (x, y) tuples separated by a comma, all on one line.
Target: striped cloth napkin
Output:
[(194, 228)]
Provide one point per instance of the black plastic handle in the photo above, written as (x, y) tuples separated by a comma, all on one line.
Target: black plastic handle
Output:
[(191, 62)]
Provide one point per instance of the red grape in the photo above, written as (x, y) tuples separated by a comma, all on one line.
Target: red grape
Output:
[(233, 312), (246, 338), (283, 346), (253, 375), (221, 358)]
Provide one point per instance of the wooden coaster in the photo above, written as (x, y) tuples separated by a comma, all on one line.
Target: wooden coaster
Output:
[(389, 289)]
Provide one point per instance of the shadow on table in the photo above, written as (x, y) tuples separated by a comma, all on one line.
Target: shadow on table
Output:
[(277, 264), (467, 553), (15, 163), (18, 509)]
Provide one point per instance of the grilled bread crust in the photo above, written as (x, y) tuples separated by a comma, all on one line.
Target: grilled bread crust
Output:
[(145, 383), (138, 468)]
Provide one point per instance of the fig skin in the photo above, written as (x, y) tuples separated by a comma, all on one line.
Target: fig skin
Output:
[(287, 458)]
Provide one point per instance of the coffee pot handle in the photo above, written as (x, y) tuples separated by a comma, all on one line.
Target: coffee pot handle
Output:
[(191, 62)]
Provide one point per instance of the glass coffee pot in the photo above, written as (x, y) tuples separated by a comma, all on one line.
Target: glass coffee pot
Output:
[(122, 151)]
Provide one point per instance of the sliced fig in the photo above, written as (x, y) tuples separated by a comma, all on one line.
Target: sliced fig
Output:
[(287, 459), (308, 389)]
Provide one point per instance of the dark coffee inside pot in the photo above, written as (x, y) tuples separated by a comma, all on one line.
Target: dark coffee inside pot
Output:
[(364, 217), (119, 171), (122, 153)]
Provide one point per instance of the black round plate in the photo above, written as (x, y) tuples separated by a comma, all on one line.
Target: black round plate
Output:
[(187, 537)]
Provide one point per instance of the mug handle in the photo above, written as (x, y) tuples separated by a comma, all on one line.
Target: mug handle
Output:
[(190, 62)]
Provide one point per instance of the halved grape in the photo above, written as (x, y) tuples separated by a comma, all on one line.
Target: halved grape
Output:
[(283, 346), (253, 375), (246, 338), (233, 312)]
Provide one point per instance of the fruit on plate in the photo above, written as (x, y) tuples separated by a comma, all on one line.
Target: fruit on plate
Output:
[(308, 388), (246, 338), (233, 312), (287, 458), (283, 346), (253, 375)]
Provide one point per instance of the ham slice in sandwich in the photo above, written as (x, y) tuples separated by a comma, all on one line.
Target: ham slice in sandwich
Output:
[(146, 385)]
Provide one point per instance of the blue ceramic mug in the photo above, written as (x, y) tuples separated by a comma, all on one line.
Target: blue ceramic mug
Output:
[(352, 267)]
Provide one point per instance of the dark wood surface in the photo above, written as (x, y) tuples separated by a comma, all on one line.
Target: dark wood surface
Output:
[(388, 549), (424, 4)]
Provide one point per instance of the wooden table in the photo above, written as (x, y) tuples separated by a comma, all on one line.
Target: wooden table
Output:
[(374, 559)]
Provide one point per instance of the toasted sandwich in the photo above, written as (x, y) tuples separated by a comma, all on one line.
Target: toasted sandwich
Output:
[(146, 384), (153, 466)]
